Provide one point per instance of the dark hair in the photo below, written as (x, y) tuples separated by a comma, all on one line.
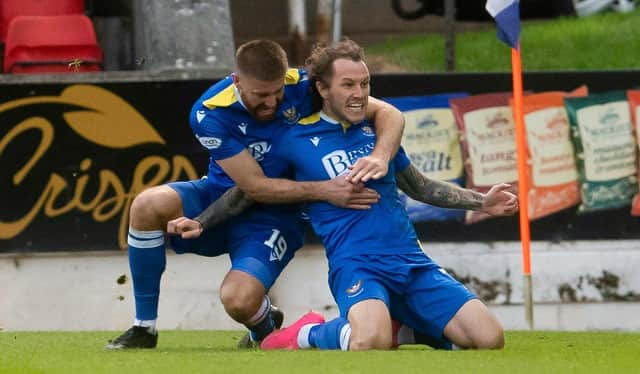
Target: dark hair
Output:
[(262, 59), (320, 63)]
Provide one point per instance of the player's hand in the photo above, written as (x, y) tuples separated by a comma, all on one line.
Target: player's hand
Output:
[(345, 194), (366, 168), (500, 202), (185, 227)]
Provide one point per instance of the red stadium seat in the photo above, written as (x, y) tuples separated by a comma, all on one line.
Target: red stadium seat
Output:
[(39, 44), (13, 8)]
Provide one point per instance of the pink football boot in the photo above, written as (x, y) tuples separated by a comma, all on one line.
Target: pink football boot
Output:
[(287, 338)]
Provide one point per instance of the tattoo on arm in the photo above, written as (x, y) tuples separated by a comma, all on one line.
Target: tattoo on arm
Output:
[(232, 203), (442, 194)]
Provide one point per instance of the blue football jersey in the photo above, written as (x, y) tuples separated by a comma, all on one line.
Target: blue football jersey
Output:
[(222, 124), (319, 148)]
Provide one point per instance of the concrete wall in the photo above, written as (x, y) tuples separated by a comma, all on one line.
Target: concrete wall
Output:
[(181, 34), (577, 286)]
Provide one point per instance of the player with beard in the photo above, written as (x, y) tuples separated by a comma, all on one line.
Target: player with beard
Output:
[(236, 120), (377, 269)]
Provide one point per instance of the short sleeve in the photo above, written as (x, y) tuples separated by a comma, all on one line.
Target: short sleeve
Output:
[(401, 161), (303, 94), (209, 129)]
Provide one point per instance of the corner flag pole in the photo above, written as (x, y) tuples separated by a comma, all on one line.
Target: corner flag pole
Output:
[(523, 188), (507, 16)]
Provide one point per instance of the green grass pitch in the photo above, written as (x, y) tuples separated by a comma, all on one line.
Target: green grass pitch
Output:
[(215, 352)]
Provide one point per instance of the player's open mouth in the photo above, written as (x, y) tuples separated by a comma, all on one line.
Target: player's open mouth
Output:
[(355, 107)]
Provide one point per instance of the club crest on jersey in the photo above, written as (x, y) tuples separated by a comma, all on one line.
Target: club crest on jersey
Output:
[(291, 115), (368, 131), (355, 289), (259, 149)]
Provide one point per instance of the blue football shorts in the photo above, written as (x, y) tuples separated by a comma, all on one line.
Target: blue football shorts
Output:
[(418, 292), (259, 244)]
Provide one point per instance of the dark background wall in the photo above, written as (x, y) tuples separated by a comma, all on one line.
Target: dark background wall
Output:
[(165, 106)]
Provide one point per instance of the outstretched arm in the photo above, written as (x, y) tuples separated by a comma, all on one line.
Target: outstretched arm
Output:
[(389, 127), (497, 202)]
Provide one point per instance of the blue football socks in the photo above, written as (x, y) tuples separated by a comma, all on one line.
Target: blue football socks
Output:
[(334, 334), (147, 260)]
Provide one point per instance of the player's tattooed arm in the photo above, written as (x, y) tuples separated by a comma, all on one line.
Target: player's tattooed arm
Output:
[(442, 194), (230, 204)]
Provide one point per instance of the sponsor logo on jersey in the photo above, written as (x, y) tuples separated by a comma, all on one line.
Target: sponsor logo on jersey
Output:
[(338, 162), (243, 127), (315, 140), (259, 149), (291, 115), (200, 115), (210, 142)]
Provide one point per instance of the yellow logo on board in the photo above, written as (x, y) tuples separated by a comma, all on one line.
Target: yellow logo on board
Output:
[(104, 119)]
